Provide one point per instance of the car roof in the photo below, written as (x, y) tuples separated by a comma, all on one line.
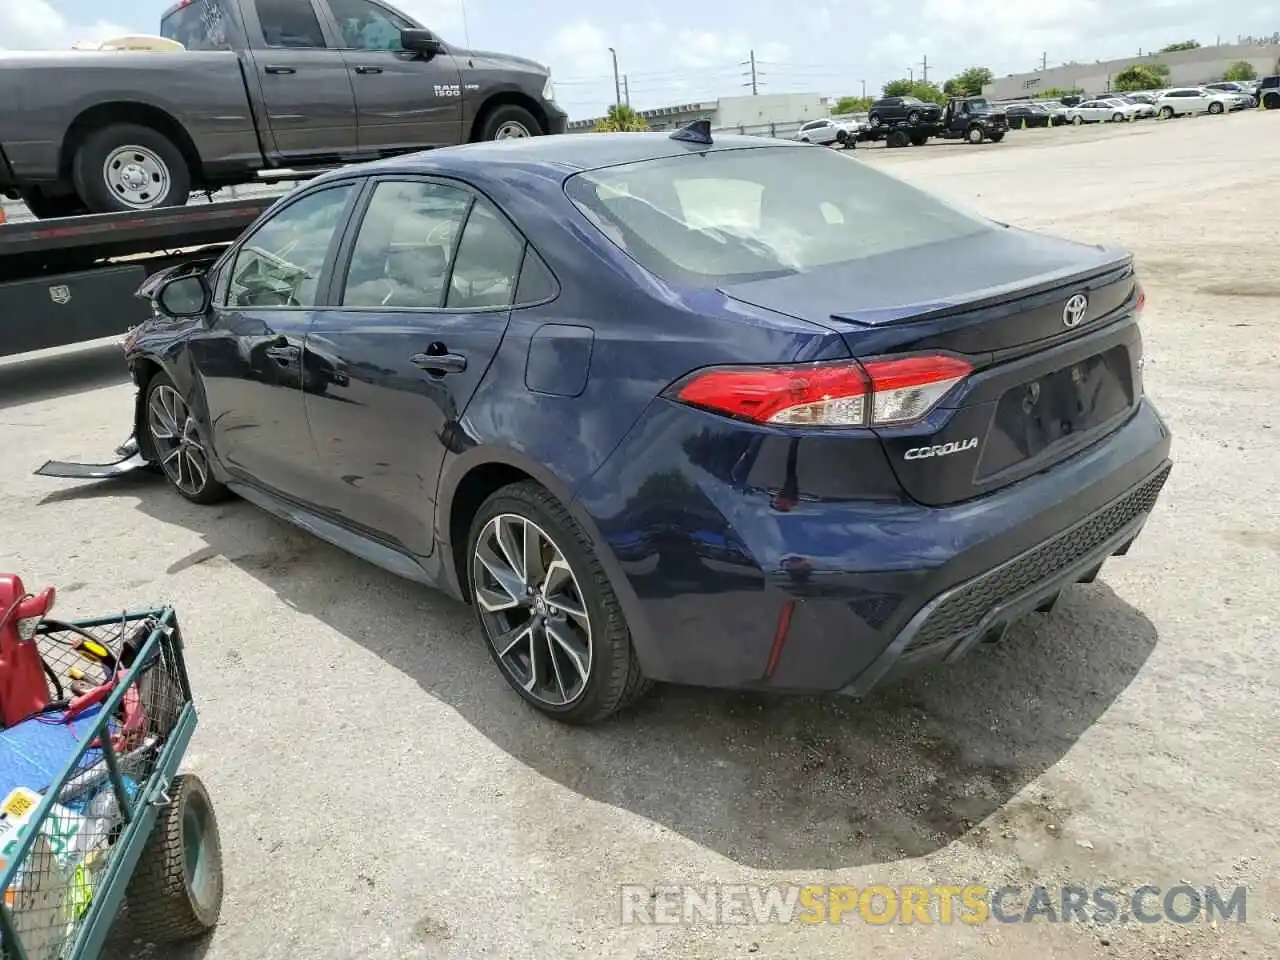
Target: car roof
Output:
[(562, 154)]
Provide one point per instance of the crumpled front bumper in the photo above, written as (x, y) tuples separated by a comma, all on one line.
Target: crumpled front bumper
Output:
[(129, 459)]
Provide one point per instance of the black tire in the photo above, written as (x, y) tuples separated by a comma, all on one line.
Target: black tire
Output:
[(898, 138), (1117, 118), (169, 897), (50, 208), (913, 116), (508, 116), (87, 168), (613, 679), (1215, 108), (974, 134), (1078, 120), (874, 119), (1166, 112), (1271, 101), (997, 136), (919, 139), (209, 490)]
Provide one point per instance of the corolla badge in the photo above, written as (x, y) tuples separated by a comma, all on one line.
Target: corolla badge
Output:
[(941, 450), (1073, 313)]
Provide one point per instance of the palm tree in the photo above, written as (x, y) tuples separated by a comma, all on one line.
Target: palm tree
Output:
[(621, 118)]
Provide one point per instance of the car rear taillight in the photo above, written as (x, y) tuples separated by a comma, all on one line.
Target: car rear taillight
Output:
[(885, 392)]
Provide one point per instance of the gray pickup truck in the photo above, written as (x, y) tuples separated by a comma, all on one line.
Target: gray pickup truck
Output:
[(261, 85)]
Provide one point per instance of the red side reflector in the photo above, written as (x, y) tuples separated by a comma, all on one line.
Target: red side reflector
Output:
[(779, 637), (1142, 300)]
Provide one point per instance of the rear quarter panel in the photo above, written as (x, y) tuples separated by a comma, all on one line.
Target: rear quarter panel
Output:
[(44, 94)]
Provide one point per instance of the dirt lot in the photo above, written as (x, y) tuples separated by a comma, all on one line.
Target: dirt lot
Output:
[(383, 795)]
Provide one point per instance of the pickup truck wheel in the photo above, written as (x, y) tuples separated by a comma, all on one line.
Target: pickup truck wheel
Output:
[(974, 134), (126, 166), (509, 122)]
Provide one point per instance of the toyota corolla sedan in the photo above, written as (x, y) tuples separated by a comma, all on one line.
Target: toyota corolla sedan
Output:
[(739, 413)]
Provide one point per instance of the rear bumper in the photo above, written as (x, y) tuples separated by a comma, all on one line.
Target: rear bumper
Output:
[(834, 594), (982, 608)]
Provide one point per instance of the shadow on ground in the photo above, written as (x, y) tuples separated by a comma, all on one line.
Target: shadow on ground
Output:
[(775, 783), (36, 377)]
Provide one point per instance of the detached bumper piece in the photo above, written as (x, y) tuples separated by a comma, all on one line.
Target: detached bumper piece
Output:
[(983, 608), (129, 459)]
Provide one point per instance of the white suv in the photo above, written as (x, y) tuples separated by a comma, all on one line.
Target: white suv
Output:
[(1181, 101)]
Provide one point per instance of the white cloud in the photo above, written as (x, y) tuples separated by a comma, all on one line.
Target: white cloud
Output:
[(445, 17), (35, 25)]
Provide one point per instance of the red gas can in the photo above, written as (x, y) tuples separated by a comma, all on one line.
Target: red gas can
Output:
[(23, 688)]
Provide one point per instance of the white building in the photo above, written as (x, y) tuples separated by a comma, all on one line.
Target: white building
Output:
[(1186, 68), (739, 114)]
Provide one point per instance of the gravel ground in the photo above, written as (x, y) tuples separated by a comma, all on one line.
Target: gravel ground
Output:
[(383, 795)]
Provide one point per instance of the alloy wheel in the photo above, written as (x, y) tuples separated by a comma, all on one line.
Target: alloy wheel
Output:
[(177, 440), (532, 609)]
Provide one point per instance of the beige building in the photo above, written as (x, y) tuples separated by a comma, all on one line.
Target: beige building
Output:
[(1186, 68)]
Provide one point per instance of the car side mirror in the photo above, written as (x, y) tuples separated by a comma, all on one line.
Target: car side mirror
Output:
[(184, 298), (420, 41)]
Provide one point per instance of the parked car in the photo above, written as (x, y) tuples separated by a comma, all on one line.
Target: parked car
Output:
[(1057, 109), (1268, 93), (1244, 93), (1185, 101), (1102, 111), (770, 420), (1027, 114), (1143, 107), (290, 83), (826, 131), (910, 109)]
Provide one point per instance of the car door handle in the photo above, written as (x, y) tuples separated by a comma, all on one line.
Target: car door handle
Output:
[(367, 70), (283, 354), (439, 362), (279, 70)]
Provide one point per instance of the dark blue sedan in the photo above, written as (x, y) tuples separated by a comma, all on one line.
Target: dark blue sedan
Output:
[(744, 413)]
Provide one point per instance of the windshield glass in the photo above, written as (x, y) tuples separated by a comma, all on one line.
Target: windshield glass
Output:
[(911, 101), (979, 105), (732, 216)]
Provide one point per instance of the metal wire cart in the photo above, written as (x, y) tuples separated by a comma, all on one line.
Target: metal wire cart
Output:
[(93, 812)]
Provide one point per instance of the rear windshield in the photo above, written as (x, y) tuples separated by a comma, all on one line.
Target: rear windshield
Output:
[(732, 216), (197, 25)]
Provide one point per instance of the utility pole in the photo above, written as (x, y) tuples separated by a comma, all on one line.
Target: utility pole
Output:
[(1044, 59), (911, 74), (924, 67), (864, 89), (626, 90), (755, 80), (617, 86)]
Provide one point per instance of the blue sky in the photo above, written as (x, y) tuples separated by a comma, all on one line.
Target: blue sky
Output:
[(674, 52)]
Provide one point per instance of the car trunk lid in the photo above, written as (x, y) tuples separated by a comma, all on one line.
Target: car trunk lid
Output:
[(1046, 380)]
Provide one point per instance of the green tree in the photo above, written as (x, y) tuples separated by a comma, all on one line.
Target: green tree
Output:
[(621, 119), (1180, 46), (969, 83), (1057, 93), (1241, 70), (845, 105), (1140, 76), (919, 89)]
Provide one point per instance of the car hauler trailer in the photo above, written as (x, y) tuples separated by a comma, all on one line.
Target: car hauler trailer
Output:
[(73, 279)]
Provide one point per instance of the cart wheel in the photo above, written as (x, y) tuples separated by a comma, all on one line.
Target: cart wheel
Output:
[(176, 890)]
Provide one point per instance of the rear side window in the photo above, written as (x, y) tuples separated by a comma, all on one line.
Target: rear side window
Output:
[(733, 216), (198, 25), (289, 23)]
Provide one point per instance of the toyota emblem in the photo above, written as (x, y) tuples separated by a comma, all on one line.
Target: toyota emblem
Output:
[(1073, 313)]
